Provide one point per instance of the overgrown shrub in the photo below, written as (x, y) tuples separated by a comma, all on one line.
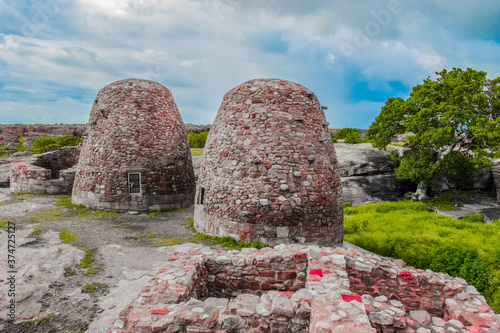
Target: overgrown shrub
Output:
[(197, 140), (47, 143), (349, 135), (464, 248)]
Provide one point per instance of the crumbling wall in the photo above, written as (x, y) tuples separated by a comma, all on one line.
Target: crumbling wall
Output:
[(10, 135), (50, 173)]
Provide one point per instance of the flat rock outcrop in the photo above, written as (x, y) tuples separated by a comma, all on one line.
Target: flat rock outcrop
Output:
[(367, 174)]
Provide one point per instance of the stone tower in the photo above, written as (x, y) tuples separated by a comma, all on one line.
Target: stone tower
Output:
[(269, 171), (135, 155)]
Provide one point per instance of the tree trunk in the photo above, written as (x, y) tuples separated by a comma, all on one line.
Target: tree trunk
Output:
[(421, 193)]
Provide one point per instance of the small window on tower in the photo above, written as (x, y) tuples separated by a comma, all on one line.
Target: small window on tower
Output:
[(134, 183), (202, 195)]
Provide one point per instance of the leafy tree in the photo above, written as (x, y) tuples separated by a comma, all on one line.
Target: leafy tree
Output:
[(455, 120)]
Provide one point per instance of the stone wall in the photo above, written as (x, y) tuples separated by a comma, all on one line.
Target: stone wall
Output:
[(398, 298), (10, 134), (269, 170), (135, 127), (51, 172)]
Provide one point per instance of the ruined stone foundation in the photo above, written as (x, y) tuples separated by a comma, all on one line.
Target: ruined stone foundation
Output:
[(135, 155), (269, 171)]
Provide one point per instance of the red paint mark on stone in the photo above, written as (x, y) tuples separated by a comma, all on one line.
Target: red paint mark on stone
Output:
[(351, 297), (173, 258), (286, 293), (327, 272), (406, 275), (161, 312), (308, 301), (324, 253), (313, 278), (318, 272)]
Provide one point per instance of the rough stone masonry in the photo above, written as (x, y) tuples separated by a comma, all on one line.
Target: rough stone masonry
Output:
[(269, 171), (298, 288), (136, 155)]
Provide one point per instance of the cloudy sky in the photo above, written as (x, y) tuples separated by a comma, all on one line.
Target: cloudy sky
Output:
[(55, 55)]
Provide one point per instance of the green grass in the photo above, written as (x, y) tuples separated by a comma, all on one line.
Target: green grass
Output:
[(48, 214), (86, 262), (4, 223), (90, 271), (68, 271), (229, 242), (160, 241), (408, 230), (195, 152), (26, 196), (82, 211), (37, 322), (21, 146), (67, 237), (161, 212), (2, 203), (90, 288)]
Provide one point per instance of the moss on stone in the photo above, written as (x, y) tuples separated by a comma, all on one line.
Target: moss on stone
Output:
[(67, 236)]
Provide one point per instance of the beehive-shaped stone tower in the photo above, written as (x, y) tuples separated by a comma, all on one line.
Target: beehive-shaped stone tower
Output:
[(135, 155), (269, 171)]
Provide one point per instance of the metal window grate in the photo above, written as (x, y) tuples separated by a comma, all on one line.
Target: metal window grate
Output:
[(134, 183)]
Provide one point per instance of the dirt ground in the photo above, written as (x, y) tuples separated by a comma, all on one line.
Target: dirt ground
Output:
[(127, 251), (117, 254)]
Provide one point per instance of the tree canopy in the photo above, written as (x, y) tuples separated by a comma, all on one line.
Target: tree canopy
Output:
[(455, 125)]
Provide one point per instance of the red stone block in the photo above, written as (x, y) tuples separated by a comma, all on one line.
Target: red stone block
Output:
[(300, 257)]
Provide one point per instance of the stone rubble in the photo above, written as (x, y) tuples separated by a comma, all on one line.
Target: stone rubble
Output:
[(296, 288)]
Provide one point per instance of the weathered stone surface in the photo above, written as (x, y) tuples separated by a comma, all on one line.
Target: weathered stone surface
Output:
[(269, 171), (134, 127)]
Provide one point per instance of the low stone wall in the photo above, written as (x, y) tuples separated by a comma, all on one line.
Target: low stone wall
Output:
[(183, 296), (50, 173)]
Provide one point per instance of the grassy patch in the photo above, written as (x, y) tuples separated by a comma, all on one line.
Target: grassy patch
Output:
[(229, 242), (82, 211), (90, 271), (2, 203), (445, 201), (408, 230), (86, 262), (67, 236), (191, 225), (48, 214), (160, 241), (37, 322), (90, 288), (26, 196), (167, 241), (195, 152), (68, 271), (4, 223), (161, 212)]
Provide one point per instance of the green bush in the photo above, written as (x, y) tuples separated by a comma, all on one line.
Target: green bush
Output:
[(464, 248), (197, 140), (21, 146), (47, 143), (350, 135)]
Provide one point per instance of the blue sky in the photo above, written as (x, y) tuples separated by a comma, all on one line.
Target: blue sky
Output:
[(55, 55)]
